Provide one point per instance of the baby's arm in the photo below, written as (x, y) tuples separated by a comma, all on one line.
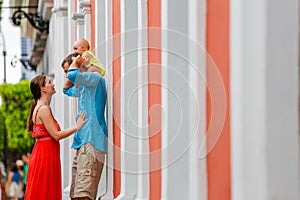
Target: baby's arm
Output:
[(94, 68), (87, 58)]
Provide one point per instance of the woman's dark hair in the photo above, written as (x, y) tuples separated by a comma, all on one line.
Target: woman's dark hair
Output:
[(35, 88)]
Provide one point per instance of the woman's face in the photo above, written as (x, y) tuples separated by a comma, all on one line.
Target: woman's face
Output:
[(49, 87)]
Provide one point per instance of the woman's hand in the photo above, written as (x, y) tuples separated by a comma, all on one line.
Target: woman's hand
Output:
[(80, 120)]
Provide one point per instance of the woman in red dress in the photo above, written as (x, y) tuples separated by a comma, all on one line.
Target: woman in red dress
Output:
[(44, 172)]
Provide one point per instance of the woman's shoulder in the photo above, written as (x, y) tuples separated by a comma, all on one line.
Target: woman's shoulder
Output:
[(44, 108), (42, 112)]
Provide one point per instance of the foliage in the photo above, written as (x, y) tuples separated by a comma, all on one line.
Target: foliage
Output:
[(16, 100), (1, 2), (1, 135)]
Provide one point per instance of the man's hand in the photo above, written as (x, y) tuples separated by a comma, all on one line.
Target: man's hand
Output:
[(77, 62)]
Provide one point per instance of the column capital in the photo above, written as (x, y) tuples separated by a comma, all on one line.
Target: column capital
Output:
[(45, 9), (59, 9), (78, 17), (85, 7)]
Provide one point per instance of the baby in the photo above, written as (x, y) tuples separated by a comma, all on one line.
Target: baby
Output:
[(82, 47)]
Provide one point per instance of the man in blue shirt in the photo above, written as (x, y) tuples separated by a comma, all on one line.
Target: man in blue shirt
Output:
[(90, 141)]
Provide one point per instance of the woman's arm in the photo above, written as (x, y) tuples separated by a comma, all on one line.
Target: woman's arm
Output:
[(45, 116)]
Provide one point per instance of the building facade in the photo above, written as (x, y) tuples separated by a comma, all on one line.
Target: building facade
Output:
[(203, 95)]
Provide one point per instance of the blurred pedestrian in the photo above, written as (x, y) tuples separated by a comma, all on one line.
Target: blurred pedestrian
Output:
[(20, 166), (3, 170), (2, 184), (14, 184), (25, 160)]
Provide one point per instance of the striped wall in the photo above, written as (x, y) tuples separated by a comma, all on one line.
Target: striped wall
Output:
[(192, 112), (164, 56)]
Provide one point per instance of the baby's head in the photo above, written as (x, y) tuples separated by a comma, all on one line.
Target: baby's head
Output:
[(81, 45)]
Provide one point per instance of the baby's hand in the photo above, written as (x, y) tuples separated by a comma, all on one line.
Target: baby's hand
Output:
[(86, 56)]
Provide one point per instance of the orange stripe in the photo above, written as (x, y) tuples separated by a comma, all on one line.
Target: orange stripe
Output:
[(92, 25), (116, 28), (154, 98), (218, 160)]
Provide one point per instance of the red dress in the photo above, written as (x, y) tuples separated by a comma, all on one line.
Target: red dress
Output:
[(44, 171)]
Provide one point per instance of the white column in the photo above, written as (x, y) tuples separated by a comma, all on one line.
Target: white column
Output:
[(71, 25), (79, 23), (264, 99), (100, 53), (178, 89), (100, 28), (129, 100), (142, 74), (60, 49), (86, 11), (197, 100), (107, 61), (164, 99)]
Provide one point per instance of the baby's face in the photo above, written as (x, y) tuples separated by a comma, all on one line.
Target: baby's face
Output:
[(79, 48)]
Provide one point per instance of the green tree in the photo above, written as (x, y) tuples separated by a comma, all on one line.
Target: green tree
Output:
[(1, 136), (1, 2), (16, 100)]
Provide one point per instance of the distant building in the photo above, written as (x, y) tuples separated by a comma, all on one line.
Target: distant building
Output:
[(26, 47)]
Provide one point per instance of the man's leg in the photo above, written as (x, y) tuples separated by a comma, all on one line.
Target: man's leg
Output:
[(89, 169), (74, 171)]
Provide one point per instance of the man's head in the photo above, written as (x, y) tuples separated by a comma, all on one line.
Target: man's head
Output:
[(81, 45), (65, 64)]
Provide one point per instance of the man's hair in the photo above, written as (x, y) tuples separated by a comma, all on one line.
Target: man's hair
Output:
[(68, 59)]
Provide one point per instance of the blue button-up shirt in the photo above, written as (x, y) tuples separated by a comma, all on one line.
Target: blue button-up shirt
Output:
[(91, 100)]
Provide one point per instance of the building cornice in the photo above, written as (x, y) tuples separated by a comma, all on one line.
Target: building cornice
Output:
[(85, 7)]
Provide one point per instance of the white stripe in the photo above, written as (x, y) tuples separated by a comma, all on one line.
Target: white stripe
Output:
[(143, 145), (197, 99), (164, 100), (104, 10)]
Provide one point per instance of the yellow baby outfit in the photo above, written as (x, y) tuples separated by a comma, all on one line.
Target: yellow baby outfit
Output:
[(93, 61)]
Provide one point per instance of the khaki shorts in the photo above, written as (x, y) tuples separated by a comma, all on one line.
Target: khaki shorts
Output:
[(86, 171)]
